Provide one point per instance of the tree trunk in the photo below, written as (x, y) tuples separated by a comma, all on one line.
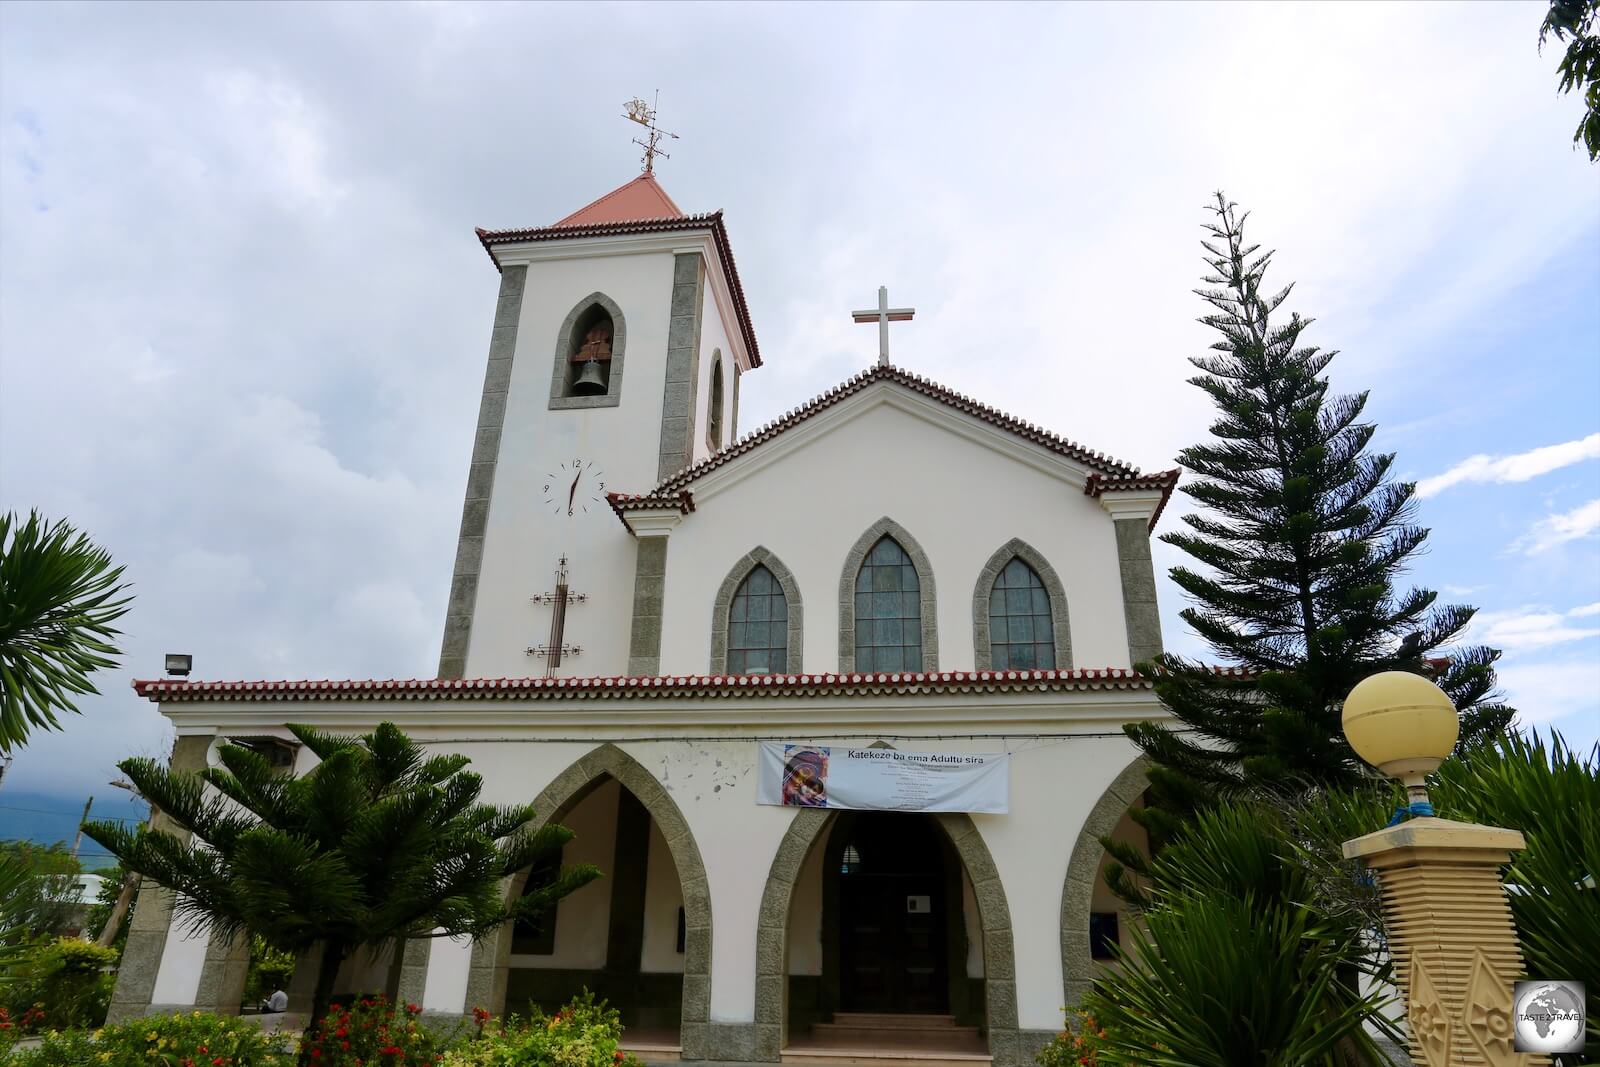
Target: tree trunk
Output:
[(108, 934), (333, 954)]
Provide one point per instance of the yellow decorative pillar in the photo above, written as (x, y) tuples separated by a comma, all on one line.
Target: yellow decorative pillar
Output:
[(1451, 937), (1450, 933)]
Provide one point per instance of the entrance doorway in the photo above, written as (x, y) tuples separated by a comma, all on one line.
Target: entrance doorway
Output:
[(893, 883)]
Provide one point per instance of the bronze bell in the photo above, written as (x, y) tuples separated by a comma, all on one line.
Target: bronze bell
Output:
[(590, 380)]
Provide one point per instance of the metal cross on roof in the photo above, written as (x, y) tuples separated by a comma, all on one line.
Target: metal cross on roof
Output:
[(883, 315)]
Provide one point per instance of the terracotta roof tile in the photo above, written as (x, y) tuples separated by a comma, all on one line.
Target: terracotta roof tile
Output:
[(711, 221), (621, 503), (1108, 473), (1164, 481), (658, 687), (641, 198)]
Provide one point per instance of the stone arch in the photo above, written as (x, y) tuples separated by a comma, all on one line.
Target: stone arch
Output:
[(1083, 869), (772, 935), (564, 348), (847, 593), (756, 557), (1016, 548), (486, 985)]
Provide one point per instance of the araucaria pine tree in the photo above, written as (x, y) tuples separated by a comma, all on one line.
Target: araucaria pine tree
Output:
[(1300, 545), (378, 843)]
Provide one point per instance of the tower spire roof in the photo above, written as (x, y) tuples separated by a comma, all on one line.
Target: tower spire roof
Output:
[(641, 198)]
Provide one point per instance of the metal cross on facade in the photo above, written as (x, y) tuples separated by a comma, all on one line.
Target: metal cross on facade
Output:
[(555, 648), (883, 315)]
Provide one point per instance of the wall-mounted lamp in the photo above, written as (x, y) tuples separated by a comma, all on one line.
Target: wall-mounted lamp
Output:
[(179, 664)]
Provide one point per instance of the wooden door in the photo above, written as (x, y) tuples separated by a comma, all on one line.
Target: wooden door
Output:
[(892, 945)]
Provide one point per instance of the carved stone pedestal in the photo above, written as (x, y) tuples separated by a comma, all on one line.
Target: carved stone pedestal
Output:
[(1450, 933)]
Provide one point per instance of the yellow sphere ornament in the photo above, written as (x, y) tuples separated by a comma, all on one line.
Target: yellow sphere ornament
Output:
[(1402, 724)]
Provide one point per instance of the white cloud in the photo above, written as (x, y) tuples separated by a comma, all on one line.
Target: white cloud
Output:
[(1554, 530), (1562, 693), (245, 315), (1531, 627), (1514, 468)]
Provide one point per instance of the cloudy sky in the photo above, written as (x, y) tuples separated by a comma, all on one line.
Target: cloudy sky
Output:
[(243, 315)]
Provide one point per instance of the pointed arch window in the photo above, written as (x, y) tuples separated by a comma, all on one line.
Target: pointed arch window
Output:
[(589, 355), (1021, 626), (888, 610), (758, 626), (714, 405)]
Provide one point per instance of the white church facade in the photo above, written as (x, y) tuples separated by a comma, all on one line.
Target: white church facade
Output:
[(642, 598)]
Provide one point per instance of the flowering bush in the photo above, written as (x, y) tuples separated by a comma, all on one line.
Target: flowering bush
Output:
[(1079, 1045), (197, 1039), (374, 1033), (58, 984), (585, 1033)]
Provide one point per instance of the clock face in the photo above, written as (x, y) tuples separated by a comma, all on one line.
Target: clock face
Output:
[(576, 487)]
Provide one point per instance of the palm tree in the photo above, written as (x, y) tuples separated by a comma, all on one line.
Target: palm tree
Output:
[(377, 844), (58, 598)]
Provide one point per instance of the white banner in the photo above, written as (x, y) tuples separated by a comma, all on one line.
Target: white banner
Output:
[(882, 779)]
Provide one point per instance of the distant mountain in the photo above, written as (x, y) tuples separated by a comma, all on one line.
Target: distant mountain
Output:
[(47, 818)]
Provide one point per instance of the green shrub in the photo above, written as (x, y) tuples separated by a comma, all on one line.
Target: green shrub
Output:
[(1552, 794), (270, 969), (65, 983), (372, 1031), (1079, 1045), (1238, 960), (197, 1039), (585, 1033)]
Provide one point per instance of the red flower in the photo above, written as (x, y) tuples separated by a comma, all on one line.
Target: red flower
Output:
[(218, 1062), (413, 1009)]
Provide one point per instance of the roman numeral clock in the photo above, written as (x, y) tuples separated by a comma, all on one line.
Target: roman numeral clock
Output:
[(574, 491)]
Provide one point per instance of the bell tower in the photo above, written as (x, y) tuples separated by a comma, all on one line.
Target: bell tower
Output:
[(616, 330)]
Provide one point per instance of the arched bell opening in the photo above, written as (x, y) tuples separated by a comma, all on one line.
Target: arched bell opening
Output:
[(589, 353)]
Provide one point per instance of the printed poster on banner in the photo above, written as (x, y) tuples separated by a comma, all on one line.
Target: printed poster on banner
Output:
[(800, 775)]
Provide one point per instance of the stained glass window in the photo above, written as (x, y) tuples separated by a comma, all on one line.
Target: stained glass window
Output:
[(888, 611), (1022, 634), (758, 626)]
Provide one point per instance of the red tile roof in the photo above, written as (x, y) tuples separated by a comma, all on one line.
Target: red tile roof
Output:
[(642, 198), (655, 686), (624, 502), (1108, 473), (1163, 481), (711, 222)]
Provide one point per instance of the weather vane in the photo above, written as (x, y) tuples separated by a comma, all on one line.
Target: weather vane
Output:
[(636, 110)]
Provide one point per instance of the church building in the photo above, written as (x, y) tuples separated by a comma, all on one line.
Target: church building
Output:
[(835, 703)]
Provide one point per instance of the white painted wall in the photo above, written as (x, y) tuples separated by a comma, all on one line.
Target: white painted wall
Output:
[(805, 912), (1103, 899), (525, 537), (583, 920), (713, 339), (708, 769), (880, 454), (663, 896)]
